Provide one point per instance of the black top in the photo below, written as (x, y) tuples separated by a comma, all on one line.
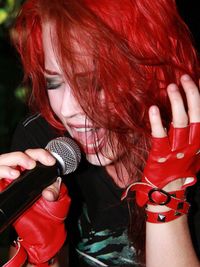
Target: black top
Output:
[(98, 220)]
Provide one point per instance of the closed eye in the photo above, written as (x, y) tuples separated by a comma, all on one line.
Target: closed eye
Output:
[(53, 83)]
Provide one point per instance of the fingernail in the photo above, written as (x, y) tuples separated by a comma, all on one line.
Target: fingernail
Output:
[(50, 160), (14, 173), (172, 87), (59, 181), (31, 164), (185, 77), (154, 110)]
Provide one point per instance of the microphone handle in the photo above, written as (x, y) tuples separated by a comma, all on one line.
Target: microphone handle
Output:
[(24, 191)]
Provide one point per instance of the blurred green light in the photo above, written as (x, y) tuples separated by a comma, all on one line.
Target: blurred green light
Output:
[(8, 10), (21, 93), (3, 15)]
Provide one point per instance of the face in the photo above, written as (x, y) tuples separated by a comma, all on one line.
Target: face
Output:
[(65, 106)]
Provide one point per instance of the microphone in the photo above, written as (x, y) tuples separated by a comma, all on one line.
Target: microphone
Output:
[(26, 189)]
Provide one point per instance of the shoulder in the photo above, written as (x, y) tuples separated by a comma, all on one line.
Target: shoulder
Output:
[(31, 132), (31, 120)]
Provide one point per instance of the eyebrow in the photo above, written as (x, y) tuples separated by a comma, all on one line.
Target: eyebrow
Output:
[(78, 74)]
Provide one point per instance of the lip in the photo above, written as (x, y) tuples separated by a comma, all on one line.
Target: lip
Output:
[(89, 138), (92, 148), (76, 125)]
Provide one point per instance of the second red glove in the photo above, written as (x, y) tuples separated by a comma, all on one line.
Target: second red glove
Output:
[(41, 228)]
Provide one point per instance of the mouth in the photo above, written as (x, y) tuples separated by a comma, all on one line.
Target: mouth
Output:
[(90, 139)]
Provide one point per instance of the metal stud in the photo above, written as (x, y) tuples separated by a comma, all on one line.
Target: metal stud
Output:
[(180, 206), (161, 218), (180, 155), (161, 160)]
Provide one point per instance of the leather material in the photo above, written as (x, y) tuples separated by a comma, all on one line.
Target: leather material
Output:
[(171, 157), (41, 228), (162, 217), (19, 258)]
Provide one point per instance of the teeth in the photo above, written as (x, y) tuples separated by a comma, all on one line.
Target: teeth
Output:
[(82, 130), (96, 144)]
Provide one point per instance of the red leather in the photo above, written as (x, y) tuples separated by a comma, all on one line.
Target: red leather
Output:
[(19, 258), (41, 227), (171, 157), (162, 217)]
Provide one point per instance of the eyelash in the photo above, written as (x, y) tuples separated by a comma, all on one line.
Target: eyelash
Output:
[(53, 85)]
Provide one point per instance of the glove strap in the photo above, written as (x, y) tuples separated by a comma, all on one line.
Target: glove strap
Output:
[(173, 200), (151, 195), (162, 217), (19, 259)]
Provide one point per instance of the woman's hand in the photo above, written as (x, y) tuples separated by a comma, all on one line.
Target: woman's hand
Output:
[(174, 158), (45, 217), (174, 154), (27, 160), (180, 117), (180, 120)]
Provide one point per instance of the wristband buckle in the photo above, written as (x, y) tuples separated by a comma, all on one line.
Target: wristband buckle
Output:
[(163, 194)]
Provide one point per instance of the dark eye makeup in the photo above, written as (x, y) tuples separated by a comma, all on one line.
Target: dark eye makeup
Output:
[(53, 83)]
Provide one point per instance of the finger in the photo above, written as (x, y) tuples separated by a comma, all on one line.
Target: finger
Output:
[(8, 172), (156, 122), (17, 158), (179, 115), (51, 193), (193, 98), (41, 155)]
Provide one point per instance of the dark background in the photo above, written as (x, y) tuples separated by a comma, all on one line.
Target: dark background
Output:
[(12, 100)]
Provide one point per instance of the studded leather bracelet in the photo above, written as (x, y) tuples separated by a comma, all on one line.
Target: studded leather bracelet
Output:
[(162, 217), (175, 201), (173, 157)]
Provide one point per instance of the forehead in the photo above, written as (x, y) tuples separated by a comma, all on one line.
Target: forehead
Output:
[(51, 60), (80, 56)]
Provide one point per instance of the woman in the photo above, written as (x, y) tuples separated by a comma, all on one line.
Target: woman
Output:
[(107, 72)]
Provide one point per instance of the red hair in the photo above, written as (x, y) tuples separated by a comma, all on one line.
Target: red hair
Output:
[(137, 48)]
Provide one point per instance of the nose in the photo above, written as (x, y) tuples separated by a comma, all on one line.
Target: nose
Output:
[(70, 106)]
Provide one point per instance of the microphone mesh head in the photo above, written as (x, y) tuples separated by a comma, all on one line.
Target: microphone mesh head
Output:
[(67, 153)]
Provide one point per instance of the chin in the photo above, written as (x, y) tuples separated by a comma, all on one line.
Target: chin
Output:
[(98, 160)]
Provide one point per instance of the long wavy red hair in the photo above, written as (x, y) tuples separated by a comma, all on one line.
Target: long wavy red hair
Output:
[(137, 48)]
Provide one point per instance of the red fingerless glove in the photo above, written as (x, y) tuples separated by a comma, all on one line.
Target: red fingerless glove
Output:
[(41, 228), (170, 158)]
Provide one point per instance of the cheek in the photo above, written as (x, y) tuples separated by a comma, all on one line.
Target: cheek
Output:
[(55, 100)]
